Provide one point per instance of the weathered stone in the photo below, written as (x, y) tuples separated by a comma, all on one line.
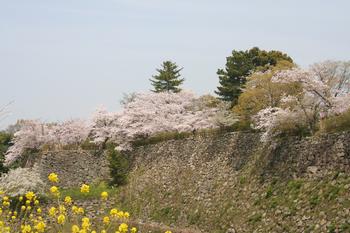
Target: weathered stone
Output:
[(74, 167)]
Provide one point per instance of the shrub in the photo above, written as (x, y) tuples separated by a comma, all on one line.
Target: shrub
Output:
[(336, 123), (278, 122), (119, 166), (21, 180), (5, 140)]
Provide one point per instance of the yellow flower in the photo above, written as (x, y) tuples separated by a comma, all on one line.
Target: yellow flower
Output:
[(75, 209), (26, 229), (36, 202), (168, 232), (126, 215), (27, 202), (30, 196), (104, 196), (39, 210), (40, 226), (80, 210), (62, 209), (6, 203), (52, 211), (103, 231), (54, 190), (120, 214), (5, 198), (123, 228), (85, 188), (133, 230), (114, 212), (53, 177), (75, 229), (61, 219), (68, 200), (85, 223), (106, 220), (23, 208), (20, 198)]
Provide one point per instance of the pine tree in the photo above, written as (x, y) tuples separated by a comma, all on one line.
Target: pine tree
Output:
[(168, 78), (240, 65)]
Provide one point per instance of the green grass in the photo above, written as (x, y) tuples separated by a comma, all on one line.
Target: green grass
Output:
[(95, 192)]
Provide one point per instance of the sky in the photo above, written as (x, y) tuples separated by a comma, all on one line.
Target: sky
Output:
[(62, 59)]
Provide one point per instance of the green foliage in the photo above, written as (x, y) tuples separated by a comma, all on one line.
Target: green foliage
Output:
[(174, 135), (260, 92), (119, 166), (293, 129), (255, 218), (168, 78), (336, 123), (242, 125), (242, 63), (95, 192), (331, 228), (314, 200), (88, 145), (5, 140)]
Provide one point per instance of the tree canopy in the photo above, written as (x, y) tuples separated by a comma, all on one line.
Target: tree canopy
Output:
[(240, 65), (168, 78)]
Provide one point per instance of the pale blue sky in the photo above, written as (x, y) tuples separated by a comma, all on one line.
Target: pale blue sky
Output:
[(61, 59)]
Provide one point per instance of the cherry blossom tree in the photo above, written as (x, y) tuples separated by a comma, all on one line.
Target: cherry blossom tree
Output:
[(69, 132), (144, 115), (325, 91), (274, 121), (32, 135), (325, 82), (151, 113)]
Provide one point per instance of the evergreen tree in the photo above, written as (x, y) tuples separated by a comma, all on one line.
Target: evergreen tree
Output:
[(242, 63), (168, 78)]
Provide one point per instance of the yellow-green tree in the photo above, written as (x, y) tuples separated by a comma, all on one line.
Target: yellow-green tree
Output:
[(261, 92)]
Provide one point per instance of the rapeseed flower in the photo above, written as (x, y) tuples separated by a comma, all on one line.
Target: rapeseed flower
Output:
[(30, 196), (106, 220), (85, 188), (61, 219), (54, 190), (68, 200), (75, 229), (40, 226), (104, 196), (53, 177)]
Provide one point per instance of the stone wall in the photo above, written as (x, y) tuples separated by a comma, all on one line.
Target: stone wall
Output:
[(227, 183), (285, 157), (289, 157), (221, 182), (74, 167), (293, 157)]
